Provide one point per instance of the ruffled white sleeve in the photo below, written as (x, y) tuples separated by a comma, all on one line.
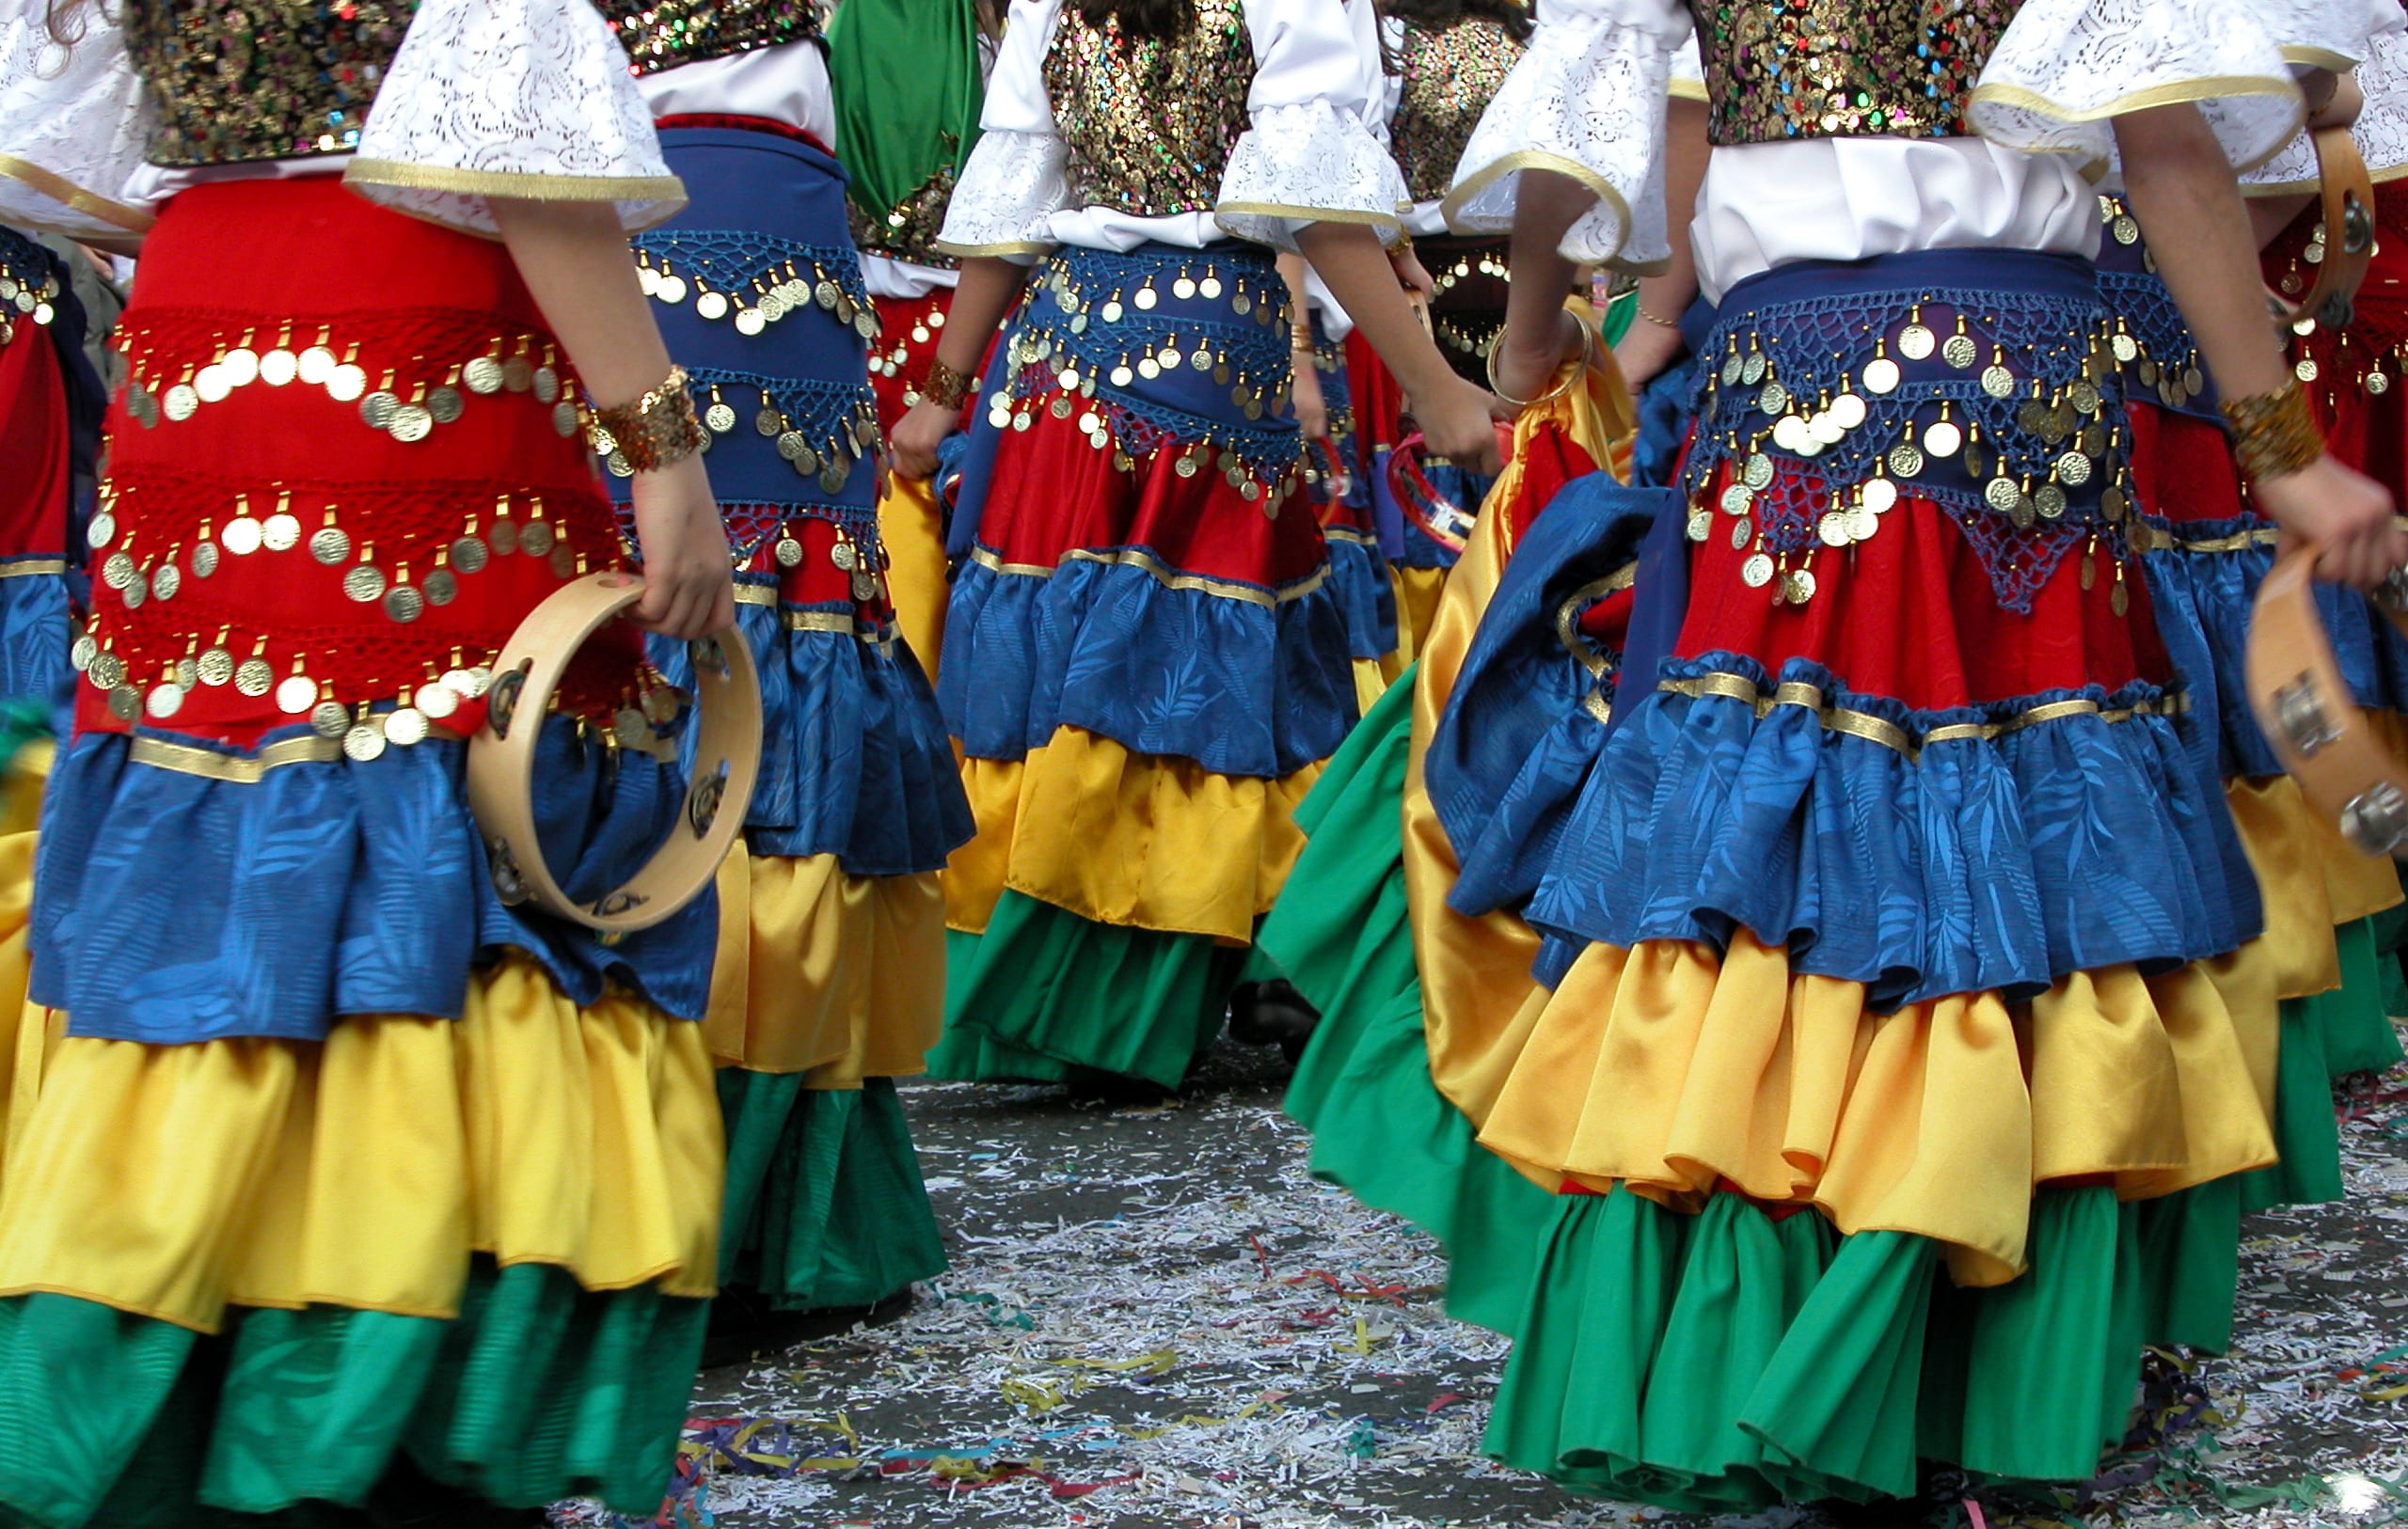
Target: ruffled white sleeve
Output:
[(2381, 129), (1007, 195), (2329, 34), (1688, 72), (526, 99), (72, 124), (1311, 155), (2067, 69), (1586, 101)]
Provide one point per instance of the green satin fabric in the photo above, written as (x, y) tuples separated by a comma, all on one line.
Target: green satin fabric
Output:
[(908, 92)]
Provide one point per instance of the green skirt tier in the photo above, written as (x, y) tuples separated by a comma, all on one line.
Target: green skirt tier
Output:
[(1046, 996), (1380, 1129), (825, 1204), (538, 1390), (1737, 1358), (2325, 1037)]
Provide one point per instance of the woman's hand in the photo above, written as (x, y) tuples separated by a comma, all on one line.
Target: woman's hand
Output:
[(1313, 414), (1411, 273), (2346, 514), (913, 443), (1459, 423), (2333, 100), (689, 589), (1645, 351)]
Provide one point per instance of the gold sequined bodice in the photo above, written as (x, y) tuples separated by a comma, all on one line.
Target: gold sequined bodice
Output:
[(662, 34), (1446, 79), (1829, 69), (1149, 124), (236, 80)]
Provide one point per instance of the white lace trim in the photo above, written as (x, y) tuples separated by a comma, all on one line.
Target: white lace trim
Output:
[(1308, 161), (2067, 69), (1587, 100), (2381, 129), (2328, 34), (511, 98), (1007, 195), (73, 122)]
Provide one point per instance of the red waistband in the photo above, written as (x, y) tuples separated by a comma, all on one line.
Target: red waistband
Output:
[(747, 124)]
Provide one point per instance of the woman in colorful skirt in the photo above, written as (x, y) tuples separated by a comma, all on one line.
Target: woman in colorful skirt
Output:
[(337, 1179), (1145, 665), (909, 79), (829, 982), (1876, 921)]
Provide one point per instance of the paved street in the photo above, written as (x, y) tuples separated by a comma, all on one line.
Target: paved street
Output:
[(1156, 1317)]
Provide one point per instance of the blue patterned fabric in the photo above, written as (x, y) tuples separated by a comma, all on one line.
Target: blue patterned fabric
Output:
[(2207, 597), (1366, 596), (37, 625), (1239, 687), (1667, 413), (170, 907), (861, 769), (1505, 771), (2004, 863)]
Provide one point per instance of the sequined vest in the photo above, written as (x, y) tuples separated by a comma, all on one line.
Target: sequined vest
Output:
[(1446, 79), (1831, 68), (236, 80), (1149, 124), (662, 34)]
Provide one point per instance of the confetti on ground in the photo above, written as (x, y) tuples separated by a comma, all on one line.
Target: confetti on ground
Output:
[(1156, 1317)]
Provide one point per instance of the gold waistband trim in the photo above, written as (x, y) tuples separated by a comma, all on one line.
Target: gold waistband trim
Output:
[(1163, 574), (247, 770), (32, 567), (2148, 538), (1888, 735), (813, 620)]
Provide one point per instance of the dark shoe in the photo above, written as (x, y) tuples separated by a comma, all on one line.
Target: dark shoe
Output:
[(746, 1326), (1271, 1014)]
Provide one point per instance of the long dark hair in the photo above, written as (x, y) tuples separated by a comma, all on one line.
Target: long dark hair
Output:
[(1437, 15), (1162, 19), (64, 21)]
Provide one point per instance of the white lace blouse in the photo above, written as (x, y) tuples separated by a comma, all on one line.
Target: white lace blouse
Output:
[(486, 98), (2381, 129), (1587, 100), (1310, 154)]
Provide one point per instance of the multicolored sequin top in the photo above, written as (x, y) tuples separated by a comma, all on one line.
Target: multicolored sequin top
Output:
[(1827, 69), (243, 80), (1150, 124), (1447, 78), (909, 231), (663, 34)]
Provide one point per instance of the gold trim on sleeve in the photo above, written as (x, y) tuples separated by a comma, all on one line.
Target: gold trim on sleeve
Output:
[(534, 186), (2215, 87), (74, 197), (1534, 158)]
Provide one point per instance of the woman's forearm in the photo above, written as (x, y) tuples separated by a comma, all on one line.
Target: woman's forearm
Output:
[(1668, 293), (989, 287), (2183, 191), (1355, 268), (573, 258)]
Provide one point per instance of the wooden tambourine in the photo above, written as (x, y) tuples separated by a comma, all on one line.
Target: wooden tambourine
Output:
[(501, 760), (2308, 715), (2348, 234)]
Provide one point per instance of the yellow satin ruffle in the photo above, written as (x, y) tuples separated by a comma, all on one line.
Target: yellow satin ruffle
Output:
[(1673, 1071), (1477, 992), (1418, 593), (171, 1181), (916, 586), (837, 977), (21, 793), (1115, 837)]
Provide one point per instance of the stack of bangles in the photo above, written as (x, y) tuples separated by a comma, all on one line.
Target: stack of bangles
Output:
[(946, 387), (2273, 433), (1564, 384), (1300, 338), (659, 430)]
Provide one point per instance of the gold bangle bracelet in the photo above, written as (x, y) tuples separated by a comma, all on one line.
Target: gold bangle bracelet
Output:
[(658, 430), (2273, 433), (1587, 347)]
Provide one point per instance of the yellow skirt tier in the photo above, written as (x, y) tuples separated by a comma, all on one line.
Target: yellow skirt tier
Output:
[(1121, 837), (173, 1181), (837, 977), (916, 581)]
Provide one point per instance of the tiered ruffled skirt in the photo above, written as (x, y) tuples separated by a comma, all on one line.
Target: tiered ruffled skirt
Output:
[(829, 982), (1145, 663)]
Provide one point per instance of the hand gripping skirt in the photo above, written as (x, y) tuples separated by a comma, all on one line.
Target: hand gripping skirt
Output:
[(1145, 665), (1871, 935), (830, 981), (323, 1157)]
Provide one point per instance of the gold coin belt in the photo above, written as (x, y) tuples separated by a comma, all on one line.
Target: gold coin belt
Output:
[(2152, 342), (408, 402), (2010, 418), (25, 294), (821, 430), (674, 268)]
